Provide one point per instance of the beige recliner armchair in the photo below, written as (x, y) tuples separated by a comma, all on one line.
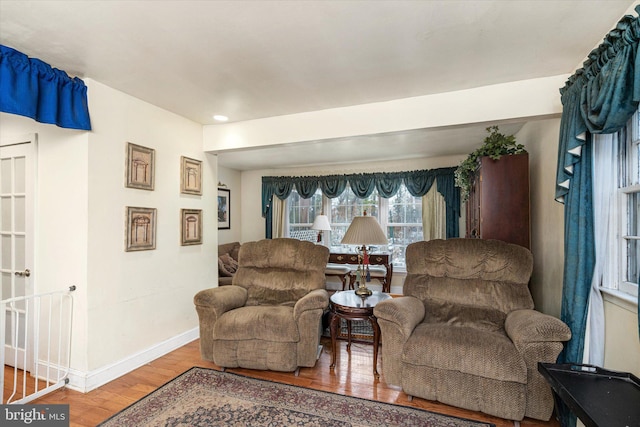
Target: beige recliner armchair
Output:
[(270, 317), (466, 333)]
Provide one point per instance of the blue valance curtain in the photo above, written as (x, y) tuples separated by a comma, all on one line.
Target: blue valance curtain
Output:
[(599, 98), (32, 88), (418, 183)]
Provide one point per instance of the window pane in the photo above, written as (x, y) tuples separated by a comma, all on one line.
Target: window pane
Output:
[(302, 212), (634, 211), (404, 224), (633, 254), (347, 206), (633, 260), (636, 180)]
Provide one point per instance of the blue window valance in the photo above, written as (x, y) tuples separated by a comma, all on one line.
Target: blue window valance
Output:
[(418, 183), (32, 88)]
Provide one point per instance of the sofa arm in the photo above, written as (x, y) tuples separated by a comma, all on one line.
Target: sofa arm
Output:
[(538, 338), (317, 299), (530, 326), (220, 299), (210, 305), (406, 312)]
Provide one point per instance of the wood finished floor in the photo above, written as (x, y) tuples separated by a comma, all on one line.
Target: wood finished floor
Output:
[(352, 376)]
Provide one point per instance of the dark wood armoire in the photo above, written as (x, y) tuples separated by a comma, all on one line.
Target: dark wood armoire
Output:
[(498, 205)]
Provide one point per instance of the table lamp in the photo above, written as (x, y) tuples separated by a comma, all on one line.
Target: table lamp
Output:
[(364, 230), (321, 223)]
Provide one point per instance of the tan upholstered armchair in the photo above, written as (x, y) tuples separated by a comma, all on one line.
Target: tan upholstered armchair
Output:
[(270, 317), (466, 333)]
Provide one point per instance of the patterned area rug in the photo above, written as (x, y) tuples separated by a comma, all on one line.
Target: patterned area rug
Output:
[(204, 397)]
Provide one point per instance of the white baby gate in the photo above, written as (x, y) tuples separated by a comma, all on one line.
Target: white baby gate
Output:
[(35, 346)]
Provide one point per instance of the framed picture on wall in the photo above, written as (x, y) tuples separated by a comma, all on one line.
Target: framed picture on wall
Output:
[(224, 209), (191, 226), (140, 167), (140, 229), (190, 176)]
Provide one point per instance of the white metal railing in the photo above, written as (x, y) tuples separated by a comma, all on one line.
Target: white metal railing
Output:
[(35, 344)]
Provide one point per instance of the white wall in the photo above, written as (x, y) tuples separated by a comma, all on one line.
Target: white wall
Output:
[(547, 216), (139, 299), (233, 180)]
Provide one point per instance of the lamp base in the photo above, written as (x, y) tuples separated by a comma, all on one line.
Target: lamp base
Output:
[(363, 291)]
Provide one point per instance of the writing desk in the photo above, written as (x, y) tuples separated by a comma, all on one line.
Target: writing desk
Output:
[(379, 259)]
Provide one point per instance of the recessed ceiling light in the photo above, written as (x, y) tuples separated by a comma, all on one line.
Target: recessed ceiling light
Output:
[(220, 118)]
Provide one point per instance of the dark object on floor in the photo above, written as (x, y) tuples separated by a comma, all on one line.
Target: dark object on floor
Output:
[(600, 398)]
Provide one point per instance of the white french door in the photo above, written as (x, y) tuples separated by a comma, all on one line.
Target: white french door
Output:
[(17, 211)]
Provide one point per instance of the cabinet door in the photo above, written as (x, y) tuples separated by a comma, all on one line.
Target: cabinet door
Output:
[(504, 199)]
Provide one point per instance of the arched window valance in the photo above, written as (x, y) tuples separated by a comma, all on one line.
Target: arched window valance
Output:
[(418, 183), (32, 88)]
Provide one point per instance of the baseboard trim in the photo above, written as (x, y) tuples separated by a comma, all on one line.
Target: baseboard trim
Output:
[(86, 381)]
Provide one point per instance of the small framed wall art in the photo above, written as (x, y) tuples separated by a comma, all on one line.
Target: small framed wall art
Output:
[(191, 226), (140, 229), (140, 167), (224, 209), (190, 176)]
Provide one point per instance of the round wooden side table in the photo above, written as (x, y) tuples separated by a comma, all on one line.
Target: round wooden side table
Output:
[(349, 306)]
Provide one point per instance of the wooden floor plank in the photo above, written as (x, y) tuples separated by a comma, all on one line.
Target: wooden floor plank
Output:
[(353, 375)]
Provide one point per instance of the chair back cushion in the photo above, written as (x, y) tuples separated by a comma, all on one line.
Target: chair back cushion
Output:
[(280, 271), (469, 282)]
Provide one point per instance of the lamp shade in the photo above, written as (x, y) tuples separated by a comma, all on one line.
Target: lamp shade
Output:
[(364, 230), (321, 223)]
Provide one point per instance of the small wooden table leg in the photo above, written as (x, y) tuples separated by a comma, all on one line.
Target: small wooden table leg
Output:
[(333, 327)]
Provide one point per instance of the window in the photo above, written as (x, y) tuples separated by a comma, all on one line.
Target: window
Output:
[(616, 161), (629, 207), (403, 223), (302, 211), (347, 206), (400, 216)]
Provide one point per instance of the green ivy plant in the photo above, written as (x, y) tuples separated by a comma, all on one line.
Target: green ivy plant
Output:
[(495, 146)]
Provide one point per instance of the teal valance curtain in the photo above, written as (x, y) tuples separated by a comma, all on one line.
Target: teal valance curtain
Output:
[(32, 88), (599, 98), (418, 183)]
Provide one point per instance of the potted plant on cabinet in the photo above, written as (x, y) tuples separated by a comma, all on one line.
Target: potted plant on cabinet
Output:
[(495, 146)]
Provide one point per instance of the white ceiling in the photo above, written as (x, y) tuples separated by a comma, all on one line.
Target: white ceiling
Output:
[(256, 59)]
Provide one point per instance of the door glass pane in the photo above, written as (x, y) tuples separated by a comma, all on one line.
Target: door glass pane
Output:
[(5, 176), (5, 212), (6, 253), (19, 213), (6, 286), (19, 174), (19, 289), (19, 253)]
